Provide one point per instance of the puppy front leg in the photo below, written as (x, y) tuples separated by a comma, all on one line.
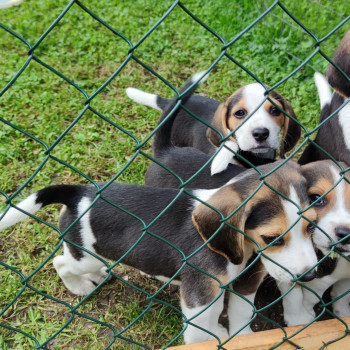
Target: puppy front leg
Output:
[(319, 286), (240, 313), (293, 309), (341, 307), (207, 320)]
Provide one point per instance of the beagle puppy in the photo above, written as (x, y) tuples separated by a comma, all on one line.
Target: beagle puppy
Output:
[(250, 120), (201, 229), (333, 206), (333, 229), (188, 163), (333, 136)]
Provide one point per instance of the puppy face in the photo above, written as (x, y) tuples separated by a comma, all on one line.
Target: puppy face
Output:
[(260, 132), (333, 210), (267, 218)]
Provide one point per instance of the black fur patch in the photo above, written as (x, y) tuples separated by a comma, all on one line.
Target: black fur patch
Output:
[(327, 266), (262, 213)]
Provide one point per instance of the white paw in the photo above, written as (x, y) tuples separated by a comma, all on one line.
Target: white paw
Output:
[(97, 277), (79, 285), (76, 283), (58, 262), (220, 331), (341, 307), (195, 335), (302, 317), (245, 330)]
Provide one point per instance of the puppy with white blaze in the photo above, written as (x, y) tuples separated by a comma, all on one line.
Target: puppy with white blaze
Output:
[(257, 124), (330, 194), (209, 223)]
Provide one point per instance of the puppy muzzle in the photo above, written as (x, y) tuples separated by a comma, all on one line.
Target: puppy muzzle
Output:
[(308, 277)]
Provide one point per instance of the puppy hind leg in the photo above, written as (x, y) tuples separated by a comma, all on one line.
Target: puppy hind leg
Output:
[(98, 276), (79, 276)]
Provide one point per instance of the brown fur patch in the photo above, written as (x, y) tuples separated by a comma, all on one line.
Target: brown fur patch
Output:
[(210, 288), (320, 187), (227, 242), (276, 227), (231, 122), (279, 120)]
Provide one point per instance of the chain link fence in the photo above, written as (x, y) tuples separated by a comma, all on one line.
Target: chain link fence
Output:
[(93, 134)]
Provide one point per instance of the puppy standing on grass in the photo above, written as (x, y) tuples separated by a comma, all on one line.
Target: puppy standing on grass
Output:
[(256, 121), (111, 232)]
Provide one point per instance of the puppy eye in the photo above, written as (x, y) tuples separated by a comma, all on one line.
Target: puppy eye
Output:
[(314, 197), (275, 111), (240, 113), (311, 227), (269, 239)]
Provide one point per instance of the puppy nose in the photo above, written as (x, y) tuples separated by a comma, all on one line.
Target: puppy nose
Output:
[(308, 277), (342, 232), (260, 134)]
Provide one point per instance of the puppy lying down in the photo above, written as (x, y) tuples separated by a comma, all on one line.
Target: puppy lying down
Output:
[(251, 120)]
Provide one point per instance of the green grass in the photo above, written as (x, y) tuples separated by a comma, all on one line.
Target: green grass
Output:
[(45, 105)]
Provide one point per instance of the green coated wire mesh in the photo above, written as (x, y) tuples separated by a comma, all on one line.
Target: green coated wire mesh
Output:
[(65, 119)]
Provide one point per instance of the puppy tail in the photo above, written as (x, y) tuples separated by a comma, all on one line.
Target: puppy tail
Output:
[(162, 139), (63, 194), (323, 89), (147, 99)]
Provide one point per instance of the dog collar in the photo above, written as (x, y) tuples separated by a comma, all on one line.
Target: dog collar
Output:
[(257, 158)]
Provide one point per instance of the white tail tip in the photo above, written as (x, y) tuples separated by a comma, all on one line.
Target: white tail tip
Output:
[(323, 89), (142, 97), (13, 215), (202, 76)]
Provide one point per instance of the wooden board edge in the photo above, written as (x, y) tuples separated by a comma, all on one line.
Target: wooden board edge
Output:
[(311, 338)]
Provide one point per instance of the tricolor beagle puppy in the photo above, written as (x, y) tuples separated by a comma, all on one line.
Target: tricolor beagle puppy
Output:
[(333, 228), (204, 226), (333, 136), (251, 120), (333, 207), (186, 162)]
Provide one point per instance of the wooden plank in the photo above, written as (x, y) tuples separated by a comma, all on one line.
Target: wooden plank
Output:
[(312, 338)]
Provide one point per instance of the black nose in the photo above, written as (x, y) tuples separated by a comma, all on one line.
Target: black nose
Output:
[(308, 277), (342, 232), (260, 134)]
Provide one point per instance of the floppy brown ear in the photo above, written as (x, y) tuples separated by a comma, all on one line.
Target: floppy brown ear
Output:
[(291, 130), (228, 241), (218, 122), (342, 59)]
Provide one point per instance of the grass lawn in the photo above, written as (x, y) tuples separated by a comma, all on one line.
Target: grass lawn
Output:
[(48, 112)]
